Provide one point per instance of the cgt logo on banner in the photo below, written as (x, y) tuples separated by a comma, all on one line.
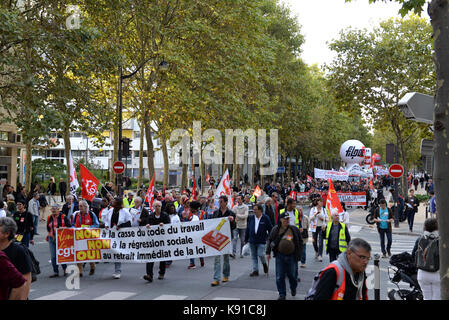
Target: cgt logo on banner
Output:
[(140, 244)]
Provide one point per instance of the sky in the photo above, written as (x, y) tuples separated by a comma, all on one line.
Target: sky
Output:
[(322, 20)]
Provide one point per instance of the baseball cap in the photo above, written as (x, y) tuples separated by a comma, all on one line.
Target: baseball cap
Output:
[(284, 215)]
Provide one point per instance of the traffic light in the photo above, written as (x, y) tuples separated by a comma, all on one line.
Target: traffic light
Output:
[(126, 143)]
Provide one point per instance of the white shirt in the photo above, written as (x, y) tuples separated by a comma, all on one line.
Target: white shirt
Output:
[(195, 218), (291, 214), (344, 217), (123, 216), (174, 218), (315, 220), (256, 225), (2, 213), (135, 214)]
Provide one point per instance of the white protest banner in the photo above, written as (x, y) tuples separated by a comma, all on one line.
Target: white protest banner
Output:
[(353, 199), (141, 244), (330, 174)]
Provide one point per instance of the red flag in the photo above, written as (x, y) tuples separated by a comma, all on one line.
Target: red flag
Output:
[(257, 191), (333, 204), (309, 179), (293, 194), (194, 195), (89, 184), (207, 177), (150, 194)]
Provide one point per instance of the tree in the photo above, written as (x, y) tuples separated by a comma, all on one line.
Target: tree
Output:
[(438, 11), (374, 70)]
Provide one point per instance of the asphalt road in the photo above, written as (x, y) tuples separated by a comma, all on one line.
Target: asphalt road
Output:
[(183, 284)]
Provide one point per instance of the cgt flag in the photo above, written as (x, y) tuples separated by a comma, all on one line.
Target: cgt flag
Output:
[(73, 179), (257, 191), (224, 188), (309, 179), (207, 177), (333, 204), (150, 194), (89, 184), (194, 195)]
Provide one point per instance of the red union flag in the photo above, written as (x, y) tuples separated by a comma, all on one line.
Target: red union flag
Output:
[(194, 192), (257, 191), (89, 184), (309, 179), (333, 204), (150, 194), (207, 177), (224, 188)]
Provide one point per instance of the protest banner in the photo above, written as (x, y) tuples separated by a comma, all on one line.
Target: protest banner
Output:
[(141, 244), (330, 174), (353, 199)]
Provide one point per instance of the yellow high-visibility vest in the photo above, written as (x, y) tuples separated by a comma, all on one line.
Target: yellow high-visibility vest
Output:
[(342, 244)]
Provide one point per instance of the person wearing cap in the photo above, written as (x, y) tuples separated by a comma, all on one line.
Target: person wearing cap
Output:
[(286, 243), (129, 202), (25, 226), (336, 237), (54, 221)]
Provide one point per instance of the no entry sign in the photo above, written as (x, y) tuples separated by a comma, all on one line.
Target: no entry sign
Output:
[(396, 170), (118, 167)]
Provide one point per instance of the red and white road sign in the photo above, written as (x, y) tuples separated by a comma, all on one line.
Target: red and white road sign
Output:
[(118, 167), (396, 170)]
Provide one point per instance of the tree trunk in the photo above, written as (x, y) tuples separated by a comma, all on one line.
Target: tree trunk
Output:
[(28, 164), (68, 148), (184, 179), (438, 12), (166, 164), (150, 151), (142, 135)]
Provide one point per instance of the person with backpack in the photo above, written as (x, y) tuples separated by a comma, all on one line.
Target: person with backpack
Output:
[(427, 259), (54, 221), (345, 278), (286, 243), (85, 218)]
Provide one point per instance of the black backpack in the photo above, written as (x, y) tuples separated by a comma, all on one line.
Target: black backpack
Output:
[(427, 255), (35, 269)]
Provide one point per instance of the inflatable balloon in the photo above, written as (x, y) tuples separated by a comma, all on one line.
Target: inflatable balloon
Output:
[(352, 151)]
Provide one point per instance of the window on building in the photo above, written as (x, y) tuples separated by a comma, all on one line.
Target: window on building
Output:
[(3, 135)]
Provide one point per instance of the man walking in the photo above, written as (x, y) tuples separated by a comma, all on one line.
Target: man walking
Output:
[(286, 243), (383, 216), (241, 217), (336, 238), (62, 189), (411, 207), (257, 232), (33, 208), (223, 211)]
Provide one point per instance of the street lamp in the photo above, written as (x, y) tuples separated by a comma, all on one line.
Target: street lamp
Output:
[(163, 66)]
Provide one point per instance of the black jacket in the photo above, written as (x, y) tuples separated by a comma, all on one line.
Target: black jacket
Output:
[(62, 187), (152, 220), (275, 239), (24, 223), (51, 188)]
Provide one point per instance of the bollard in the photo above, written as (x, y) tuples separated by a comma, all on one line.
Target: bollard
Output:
[(376, 277)]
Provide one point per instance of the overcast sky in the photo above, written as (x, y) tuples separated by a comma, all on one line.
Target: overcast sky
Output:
[(322, 20)]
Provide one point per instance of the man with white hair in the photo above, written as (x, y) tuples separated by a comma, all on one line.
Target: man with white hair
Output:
[(337, 237), (70, 207), (138, 212)]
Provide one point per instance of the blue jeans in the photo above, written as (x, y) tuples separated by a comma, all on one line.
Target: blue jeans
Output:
[(303, 256), (240, 233), (382, 233), (285, 266), (257, 251), (192, 261), (52, 245), (410, 218), (35, 223), (226, 267)]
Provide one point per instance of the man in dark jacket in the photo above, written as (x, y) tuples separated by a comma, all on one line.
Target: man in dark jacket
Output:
[(287, 245), (62, 189), (25, 226), (223, 211), (336, 238), (411, 207), (158, 217), (257, 231)]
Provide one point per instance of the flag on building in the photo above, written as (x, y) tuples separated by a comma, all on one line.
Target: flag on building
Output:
[(74, 185), (89, 183)]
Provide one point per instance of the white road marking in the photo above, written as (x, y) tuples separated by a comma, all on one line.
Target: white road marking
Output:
[(224, 298), (60, 295), (116, 295), (170, 297)]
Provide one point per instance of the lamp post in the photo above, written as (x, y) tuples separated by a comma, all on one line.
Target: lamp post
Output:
[(163, 65)]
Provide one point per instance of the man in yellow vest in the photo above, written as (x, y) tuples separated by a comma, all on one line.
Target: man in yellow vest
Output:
[(337, 237), (295, 218), (129, 202)]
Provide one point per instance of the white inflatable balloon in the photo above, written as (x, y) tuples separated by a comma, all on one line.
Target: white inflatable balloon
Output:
[(352, 151)]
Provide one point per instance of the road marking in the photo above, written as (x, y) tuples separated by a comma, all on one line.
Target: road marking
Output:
[(116, 295), (224, 298), (60, 295), (170, 297), (355, 229)]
